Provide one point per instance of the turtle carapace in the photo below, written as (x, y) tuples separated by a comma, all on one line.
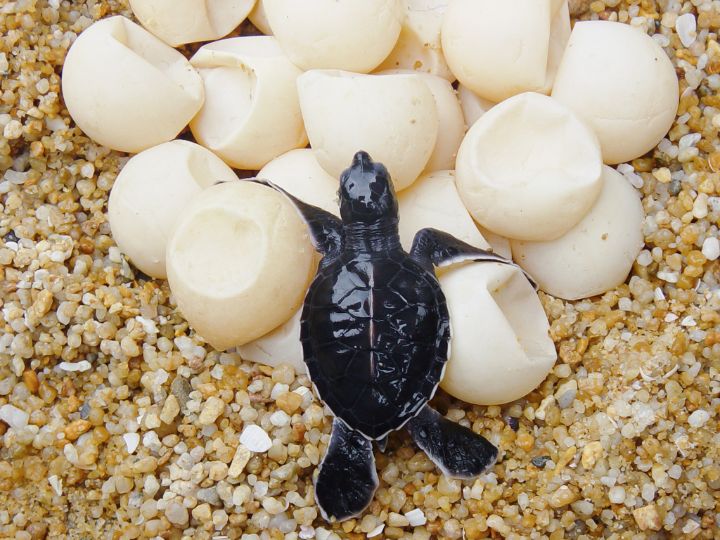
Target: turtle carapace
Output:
[(375, 333)]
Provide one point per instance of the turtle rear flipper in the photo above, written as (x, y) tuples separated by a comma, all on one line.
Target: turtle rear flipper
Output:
[(456, 450), (347, 479)]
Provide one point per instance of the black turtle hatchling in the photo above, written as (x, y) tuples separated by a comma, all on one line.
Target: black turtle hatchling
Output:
[(375, 333)]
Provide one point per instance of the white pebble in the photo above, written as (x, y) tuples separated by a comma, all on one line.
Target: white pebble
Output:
[(648, 492), (416, 517), (670, 277), (698, 418), (671, 317), (644, 259), (686, 27), (56, 484), (625, 304), (279, 419), (255, 439), (132, 440), (688, 321), (659, 294), (14, 417), (617, 495), (376, 531), (82, 365), (711, 248)]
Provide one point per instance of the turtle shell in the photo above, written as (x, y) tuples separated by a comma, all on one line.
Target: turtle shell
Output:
[(375, 333)]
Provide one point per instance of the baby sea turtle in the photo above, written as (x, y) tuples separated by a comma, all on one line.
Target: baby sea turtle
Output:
[(375, 334)]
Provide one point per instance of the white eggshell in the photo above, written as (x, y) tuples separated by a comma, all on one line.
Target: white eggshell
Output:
[(499, 48), (499, 244), (621, 82), (251, 113), (239, 262), (299, 173), (451, 121), (126, 89), (392, 117), (419, 47), (281, 346), (259, 18), (598, 253), (500, 348), (433, 201), (150, 194), (529, 169), (473, 106), (177, 22), (354, 35)]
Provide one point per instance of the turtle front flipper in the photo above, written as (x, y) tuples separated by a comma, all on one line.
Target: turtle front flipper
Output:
[(347, 480), (326, 230), (433, 247), (458, 451)]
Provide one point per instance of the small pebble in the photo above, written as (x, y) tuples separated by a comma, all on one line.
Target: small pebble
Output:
[(213, 408), (132, 440), (14, 417), (416, 517), (698, 418), (176, 513), (686, 27), (647, 518), (255, 439), (711, 248)]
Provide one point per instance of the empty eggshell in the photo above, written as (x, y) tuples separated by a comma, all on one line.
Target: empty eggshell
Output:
[(149, 196), (451, 122), (239, 262), (529, 169), (473, 106), (598, 253), (259, 18), (126, 89), (499, 48), (251, 113), (433, 201), (621, 82), (500, 348), (392, 117), (281, 346), (499, 244), (299, 173), (418, 46), (354, 35), (177, 22)]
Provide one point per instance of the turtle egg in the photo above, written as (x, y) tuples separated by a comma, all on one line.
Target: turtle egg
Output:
[(126, 89), (499, 48), (177, 22), (299, 173), (418, 46), (259, 18), (529, 169), (473, 106), (392, 117), (598, 253), (149, 196), (251, 112), (621, 82), (500, 348), (239, 262), (433, 201), (280, 346), (355, 35)]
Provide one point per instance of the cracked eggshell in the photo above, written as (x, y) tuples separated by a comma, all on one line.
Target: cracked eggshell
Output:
[(299, 173), (177, 22), (433, 201), (621, 82), (392, 117), (598, 253), (126, 89), (281, 346), (251, 113), (451, 121), (529, 169), (239, 262), (353, 35), (419, 47), (259, 18), (150, 194), (500, 348), (499, 48), (473, 106)]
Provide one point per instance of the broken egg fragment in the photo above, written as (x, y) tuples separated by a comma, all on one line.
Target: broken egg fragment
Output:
[(529, 169), (251, 112), (280, 346), (500, 349), (598, 253), (239, 262), (126, 89), (149, 196)]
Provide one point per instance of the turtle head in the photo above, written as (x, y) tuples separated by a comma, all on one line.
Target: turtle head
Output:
[(366, 191)]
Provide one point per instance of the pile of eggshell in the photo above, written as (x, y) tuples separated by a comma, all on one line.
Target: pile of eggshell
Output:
[(545, 107)]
